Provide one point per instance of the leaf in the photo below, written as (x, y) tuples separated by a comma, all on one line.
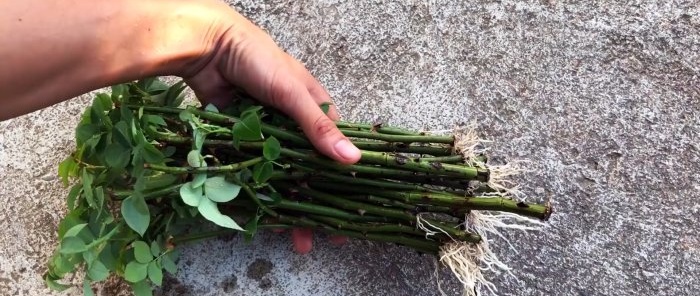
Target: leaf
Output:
[(55, 285), (155, 119), (168, 264), (87, 188), (116, 156), (248, 128), (70, 220), (61, 264), (252, 227), (199, 137), (120, 133), (195, 160), (210, 212), (271, 148), (142, 288), (155, 249), (135, 271), (325, 107), (84, 132), (136, 214), (73, 231), (118, 92), (66, 169), (198, 180), (72, 245), (169, 151), (73, 195), (87, 290), (262, 172), (191, 196), (157, 181), (142, 252), (107, 257), (219, 190), (98, 271), (155, 273), (175, 97), (211, 108), (186, 116), (151, 154)]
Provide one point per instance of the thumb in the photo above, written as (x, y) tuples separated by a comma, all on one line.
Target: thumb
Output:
[(291, 96)]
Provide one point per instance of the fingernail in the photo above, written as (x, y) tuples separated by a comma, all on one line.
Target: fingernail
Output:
[(346, 150)]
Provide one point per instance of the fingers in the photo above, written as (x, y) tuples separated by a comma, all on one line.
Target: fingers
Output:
[(302, 239), (290, 95)]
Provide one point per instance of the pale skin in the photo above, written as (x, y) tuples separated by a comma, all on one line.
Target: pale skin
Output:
[(52, 51)]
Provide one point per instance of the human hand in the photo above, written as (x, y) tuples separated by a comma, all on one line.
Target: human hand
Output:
[(242, 55)]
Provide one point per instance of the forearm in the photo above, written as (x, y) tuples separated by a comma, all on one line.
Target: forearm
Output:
[(55, 50)]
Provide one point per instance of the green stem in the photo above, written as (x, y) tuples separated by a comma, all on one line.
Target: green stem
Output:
[(485, 203), (444, 159), (418, 244), (210, 169), (365, 228), (399, 138), (382, 211), (415, 164), (362, 181), (378, 128)]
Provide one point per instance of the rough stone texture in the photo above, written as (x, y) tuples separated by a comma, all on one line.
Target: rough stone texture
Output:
[(603, 97)]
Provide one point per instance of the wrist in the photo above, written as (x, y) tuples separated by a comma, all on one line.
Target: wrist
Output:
[(169, 37)]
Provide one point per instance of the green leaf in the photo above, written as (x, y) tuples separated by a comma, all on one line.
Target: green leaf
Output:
[(142, 288), (157, 181), (98, 271), (86, 131), (62, 265), (325, 107), (195, 160), (73, 231), (169, 151), (186, 116), (142, 252), (155, 249), (191, 196), (262, 172), (175, 97), (155, 119), (121, 135), (116, 156), (155, 273), (219, 190), (66, 169), (73, 195), (54, 284), (87, 290), (211, 108), (271, 148), (119, 91), (169, 264), (73, 218), (135, 271), (87, 188), (72, 245), (136, 214), (210, 212), (107, 256), (198, 180), (252, 227), (199, 137), (248, 128), (151, 154)]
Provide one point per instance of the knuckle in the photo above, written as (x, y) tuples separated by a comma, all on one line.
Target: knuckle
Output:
[(324, 127)]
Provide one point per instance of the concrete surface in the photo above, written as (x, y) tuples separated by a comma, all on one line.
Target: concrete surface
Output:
[(603, 97)]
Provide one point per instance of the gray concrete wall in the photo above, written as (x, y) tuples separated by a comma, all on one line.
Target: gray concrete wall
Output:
[(603, 97)]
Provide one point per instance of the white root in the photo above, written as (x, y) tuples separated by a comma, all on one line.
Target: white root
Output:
[(469, 261)]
